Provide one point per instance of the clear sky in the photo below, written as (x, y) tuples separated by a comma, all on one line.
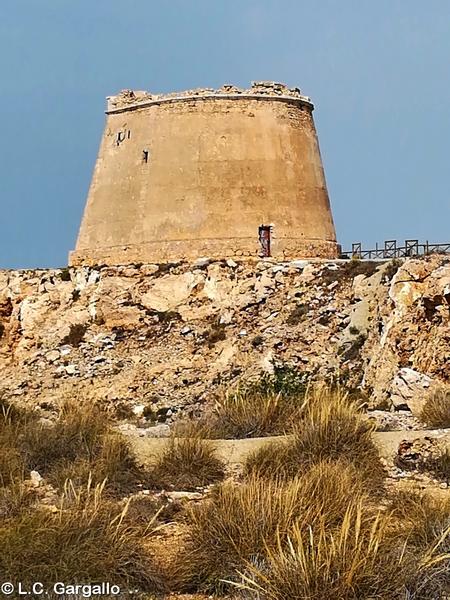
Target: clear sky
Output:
[(378, 73)]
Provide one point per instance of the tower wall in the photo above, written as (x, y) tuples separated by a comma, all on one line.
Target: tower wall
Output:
[(192, 176)]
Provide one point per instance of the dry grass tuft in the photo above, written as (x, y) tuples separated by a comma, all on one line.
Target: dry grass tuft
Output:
[(15, 498), (77, 434), (230, 527), (422, 516), (12, 465), (354, 562), (79, 446), (332, 428), (114, 463), (436, 411), (424, 520), (240, 521), (269, 405), (86, 540), (248, 413), (186, 464)]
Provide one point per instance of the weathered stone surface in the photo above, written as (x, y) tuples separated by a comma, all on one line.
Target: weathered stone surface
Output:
[(174, 336), (409, 388), (193, 177), (169, 292), (411, 328)]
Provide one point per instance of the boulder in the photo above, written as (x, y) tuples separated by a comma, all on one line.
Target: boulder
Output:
[(409, 389)]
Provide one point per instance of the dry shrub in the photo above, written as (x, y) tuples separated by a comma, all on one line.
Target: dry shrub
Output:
[(77, 434), (11, 461), (422, 516), (114, 463), (86, 540), (356, 561), (438, 465), (436, 410), (230, 527), (332, 428), (79, 446), (249, 412), (424, 520), (240, 521), (186, 464), (15, 498)]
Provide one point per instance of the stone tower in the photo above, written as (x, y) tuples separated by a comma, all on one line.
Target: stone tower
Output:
[(222, 173)]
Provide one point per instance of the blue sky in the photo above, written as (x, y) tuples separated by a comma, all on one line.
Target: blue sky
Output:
[(378, 73)]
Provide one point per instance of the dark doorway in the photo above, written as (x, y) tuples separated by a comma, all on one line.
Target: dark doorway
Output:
[(264, 233)]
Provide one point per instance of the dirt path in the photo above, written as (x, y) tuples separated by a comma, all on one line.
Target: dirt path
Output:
[(234, 452)]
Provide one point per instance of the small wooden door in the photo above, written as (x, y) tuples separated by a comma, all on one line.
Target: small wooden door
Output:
[(264, 239)]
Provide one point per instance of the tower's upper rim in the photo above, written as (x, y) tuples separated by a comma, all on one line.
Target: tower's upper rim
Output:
[(131, 99)]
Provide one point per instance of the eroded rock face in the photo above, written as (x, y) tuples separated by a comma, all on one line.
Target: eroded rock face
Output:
[(413, 329), (168, 337)]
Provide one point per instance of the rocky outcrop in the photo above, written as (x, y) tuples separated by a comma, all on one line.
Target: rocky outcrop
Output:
[(165, 338), (410, 346)]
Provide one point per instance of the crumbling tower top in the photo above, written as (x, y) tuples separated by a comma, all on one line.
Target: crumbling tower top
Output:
[(130, 99)]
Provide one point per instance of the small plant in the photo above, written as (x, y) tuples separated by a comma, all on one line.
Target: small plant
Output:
[(150, 413), (165, 268), (353, 350), (2, 330), (186, 464), (65, 274), (353, 330), (356, 266), (297, 314), (349, 270), (168, 316), (285, 380), (257, 341), (216, 334), (392, 268), (436, 410), (75, 335)]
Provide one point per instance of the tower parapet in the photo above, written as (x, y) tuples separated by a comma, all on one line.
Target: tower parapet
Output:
[(223, 173), (129, 99)]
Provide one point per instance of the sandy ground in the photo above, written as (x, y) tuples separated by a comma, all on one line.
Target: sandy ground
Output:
[(234, 452)]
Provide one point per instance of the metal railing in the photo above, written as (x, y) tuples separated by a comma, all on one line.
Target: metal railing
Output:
[(392, 250)]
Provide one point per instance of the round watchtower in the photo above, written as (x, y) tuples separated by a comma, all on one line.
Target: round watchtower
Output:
[(225, 173)]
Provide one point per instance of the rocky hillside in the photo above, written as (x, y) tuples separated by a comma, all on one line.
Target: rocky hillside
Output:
[(167, 337)]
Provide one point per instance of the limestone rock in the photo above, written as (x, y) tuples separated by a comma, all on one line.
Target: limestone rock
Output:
[(127, 336), (409, 388), (169, 292)]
